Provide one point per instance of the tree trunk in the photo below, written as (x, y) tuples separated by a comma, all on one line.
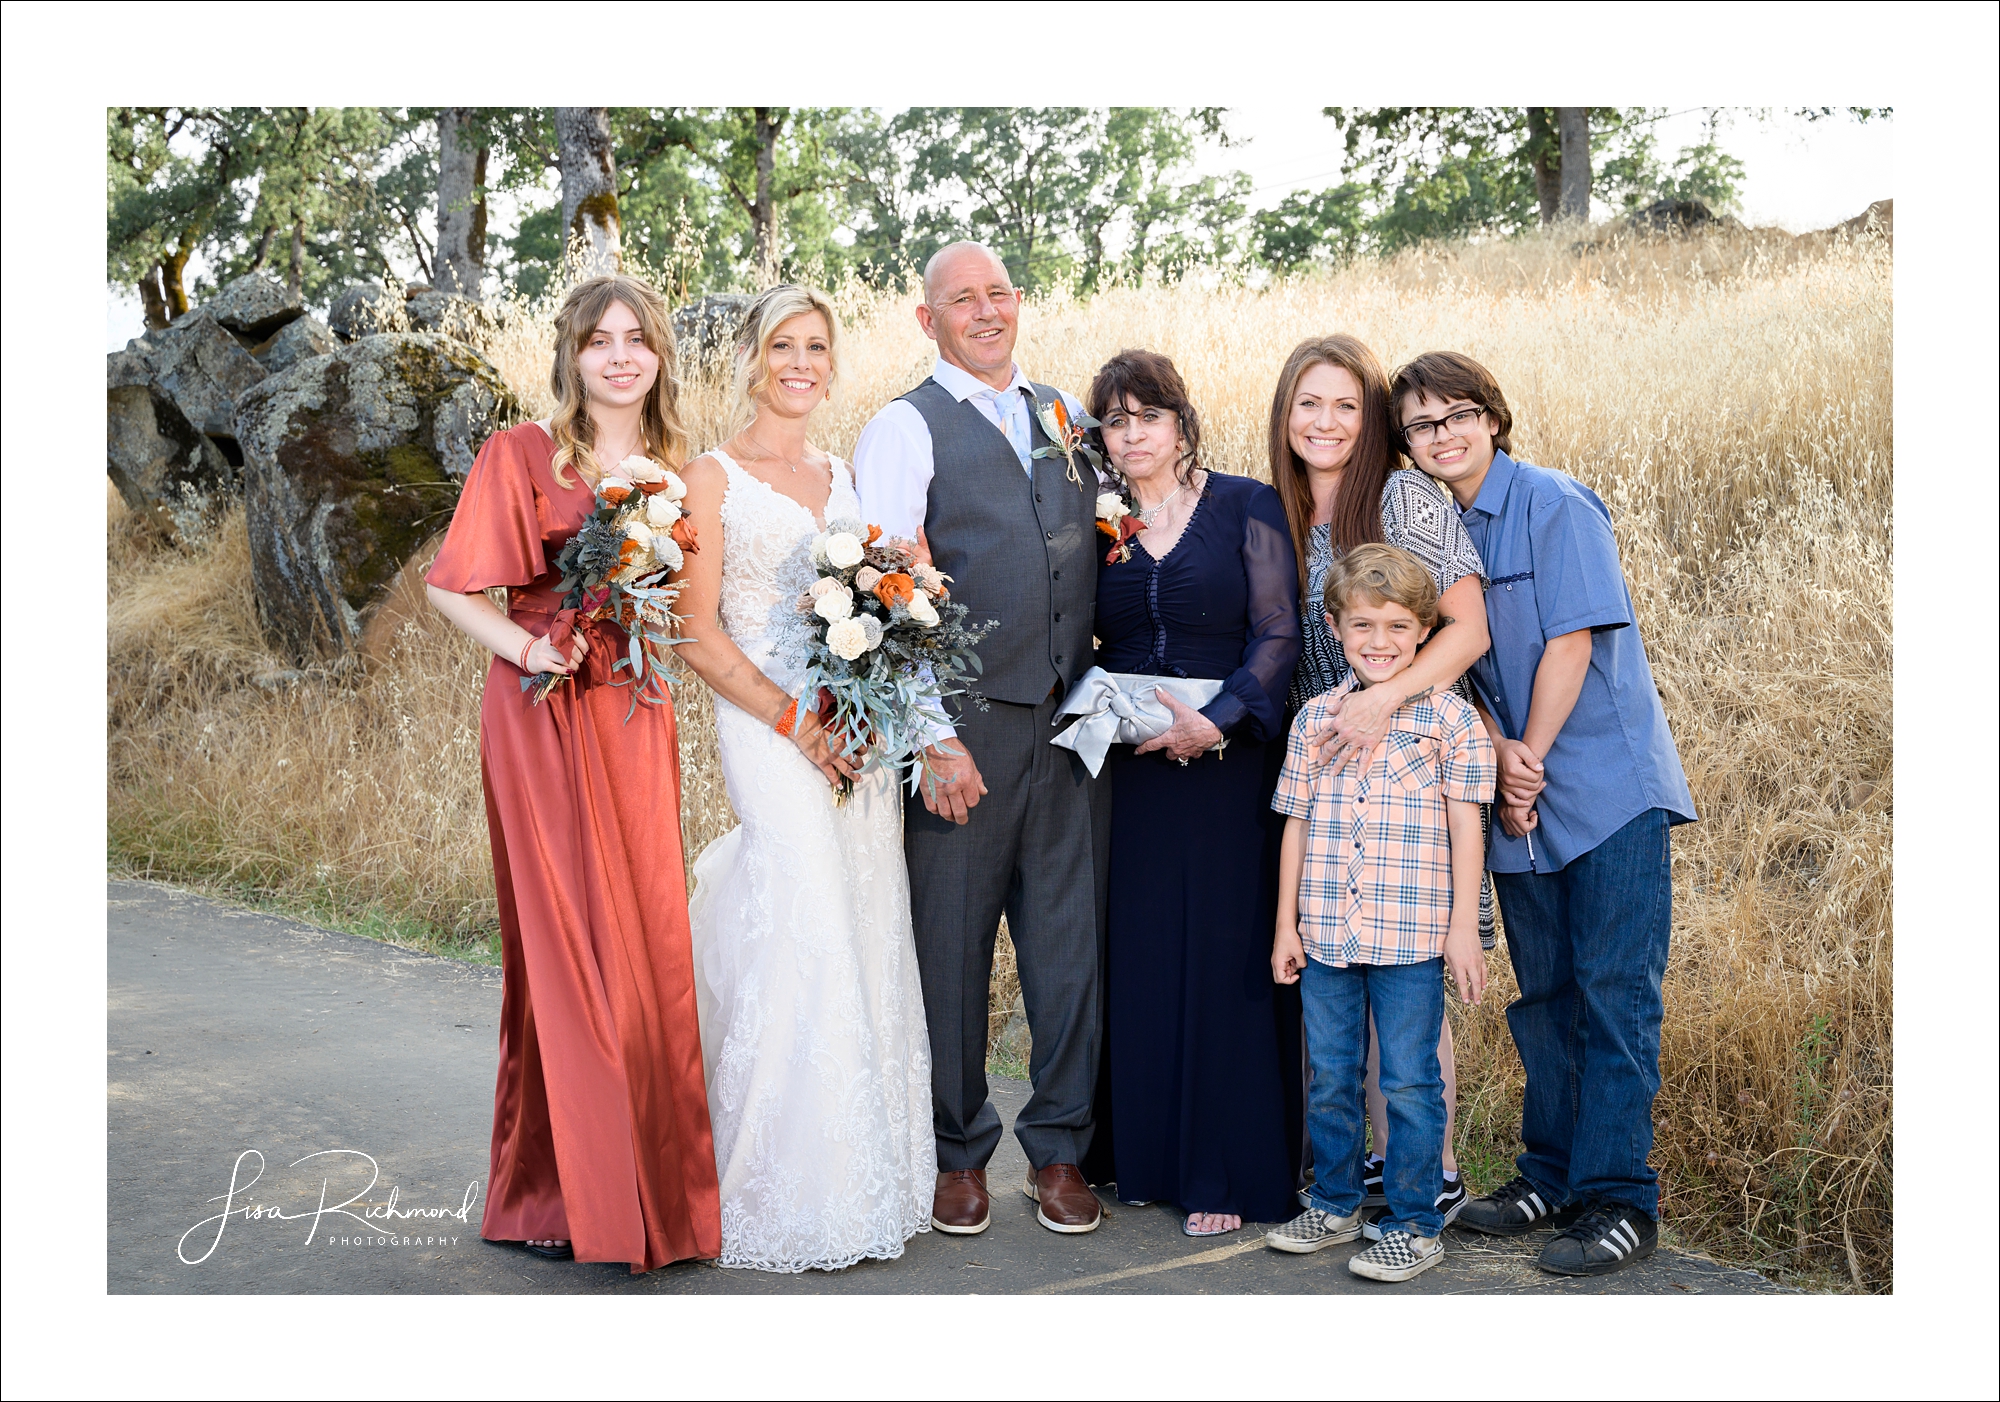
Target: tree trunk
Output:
[(1573, 127), (1545, 160), (763, 211), (263, 249), (172, 267), (155, 299), (461, 207), (295, 275), (589, 185)]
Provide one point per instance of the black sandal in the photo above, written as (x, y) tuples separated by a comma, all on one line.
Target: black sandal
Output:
[(565, 1252)]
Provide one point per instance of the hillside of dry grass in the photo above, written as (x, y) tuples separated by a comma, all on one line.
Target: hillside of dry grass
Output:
[(1729, 398)]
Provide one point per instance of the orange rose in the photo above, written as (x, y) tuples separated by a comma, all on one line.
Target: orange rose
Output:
[(683, 534), (895, 589), (650, 487), (615, 492)]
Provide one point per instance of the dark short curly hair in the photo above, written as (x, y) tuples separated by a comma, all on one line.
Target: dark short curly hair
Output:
[(1148, 378)]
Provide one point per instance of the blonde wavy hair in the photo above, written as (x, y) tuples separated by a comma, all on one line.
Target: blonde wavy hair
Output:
[(663, 437), (773, 308)]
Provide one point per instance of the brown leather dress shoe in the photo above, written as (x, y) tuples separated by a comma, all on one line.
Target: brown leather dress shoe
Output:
[(1066, 1202), (961, 1205)]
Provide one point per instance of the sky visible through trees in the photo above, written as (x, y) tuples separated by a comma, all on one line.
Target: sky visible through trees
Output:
[(715, 199)]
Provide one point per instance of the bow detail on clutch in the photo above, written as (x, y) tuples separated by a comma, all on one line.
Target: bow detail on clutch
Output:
[(1119, 708)]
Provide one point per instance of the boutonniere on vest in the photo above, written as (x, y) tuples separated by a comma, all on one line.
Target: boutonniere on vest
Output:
[(1066, 435), (1116, 520)]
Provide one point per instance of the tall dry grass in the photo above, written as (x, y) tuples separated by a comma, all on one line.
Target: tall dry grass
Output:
[(1730, 398)]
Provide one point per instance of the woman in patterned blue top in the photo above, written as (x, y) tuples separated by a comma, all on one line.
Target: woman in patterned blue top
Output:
[(1332, 454)]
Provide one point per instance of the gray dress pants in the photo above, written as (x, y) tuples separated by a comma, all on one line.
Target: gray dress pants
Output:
[(1028, 852)]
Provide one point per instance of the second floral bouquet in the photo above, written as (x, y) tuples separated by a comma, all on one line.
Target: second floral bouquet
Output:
[(882, 647)]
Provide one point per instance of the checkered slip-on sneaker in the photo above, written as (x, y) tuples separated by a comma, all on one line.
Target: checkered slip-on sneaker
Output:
[(1514, 1209), (1608, 1237), (1313, 1229), (1450, 1202), (1398, 1256)]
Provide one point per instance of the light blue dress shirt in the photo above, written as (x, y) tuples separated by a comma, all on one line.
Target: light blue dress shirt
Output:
[(1553, 562)]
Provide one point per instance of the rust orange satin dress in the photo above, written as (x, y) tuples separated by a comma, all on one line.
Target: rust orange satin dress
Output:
[(600, 1118)]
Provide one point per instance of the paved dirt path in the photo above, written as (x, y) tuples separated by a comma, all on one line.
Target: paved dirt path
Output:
[(322, 1069)]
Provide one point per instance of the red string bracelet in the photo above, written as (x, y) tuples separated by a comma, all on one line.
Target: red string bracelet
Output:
[(787, 718), (522, 660)]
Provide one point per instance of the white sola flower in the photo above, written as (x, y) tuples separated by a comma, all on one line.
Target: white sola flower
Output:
[(667, 552), (676, 489), (834, 605), (823, 586), (871, 628), (636, 529), (843, 550), (921, 609), (1111, 507), (818, 550), (866, 578), (661, 513), (848, 638), (641, 469), (929, 577)]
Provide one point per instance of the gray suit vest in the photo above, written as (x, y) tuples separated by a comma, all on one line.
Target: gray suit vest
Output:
[(1019, 551)]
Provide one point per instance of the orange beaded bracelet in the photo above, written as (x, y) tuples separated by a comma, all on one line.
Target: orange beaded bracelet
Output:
[(787, 719)]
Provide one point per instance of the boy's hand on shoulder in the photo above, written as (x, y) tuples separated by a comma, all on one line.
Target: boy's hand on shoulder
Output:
[(1288, 956), (1465, 961), (1522, 776)]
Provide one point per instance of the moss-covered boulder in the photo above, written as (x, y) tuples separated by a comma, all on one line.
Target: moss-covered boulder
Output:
[(162, 465), (350, 462), (297, 340), (366, 310), (254, 306), (201, 366)]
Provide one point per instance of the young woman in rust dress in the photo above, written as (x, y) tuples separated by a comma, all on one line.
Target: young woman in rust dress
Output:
[(601, 1143)]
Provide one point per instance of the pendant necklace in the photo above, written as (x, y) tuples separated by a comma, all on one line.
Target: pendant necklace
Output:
[(1147, 513), (771, 453)]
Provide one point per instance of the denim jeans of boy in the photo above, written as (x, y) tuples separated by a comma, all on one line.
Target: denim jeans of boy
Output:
[(1408, 1003), (1589, 947)]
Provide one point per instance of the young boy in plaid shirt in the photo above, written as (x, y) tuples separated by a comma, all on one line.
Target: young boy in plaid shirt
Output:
[(1378, 883)]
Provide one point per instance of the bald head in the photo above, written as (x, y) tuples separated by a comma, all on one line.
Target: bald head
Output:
[(966, 262)]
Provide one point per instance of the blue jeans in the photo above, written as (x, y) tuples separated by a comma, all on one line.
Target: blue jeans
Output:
[(1589, 945), (1408, 1003)]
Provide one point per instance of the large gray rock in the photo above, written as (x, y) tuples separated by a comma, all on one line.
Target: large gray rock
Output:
[(351, 460), (460, 318), (366, 310), (297, 340), (254, 306), (705, 331), (161, 464), (197, 364), (1678, 217)]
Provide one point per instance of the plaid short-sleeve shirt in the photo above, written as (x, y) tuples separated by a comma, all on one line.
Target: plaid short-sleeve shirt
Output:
[(1376, 888)]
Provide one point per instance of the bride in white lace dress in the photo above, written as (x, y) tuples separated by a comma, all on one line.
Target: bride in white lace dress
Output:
[(812, 1018)]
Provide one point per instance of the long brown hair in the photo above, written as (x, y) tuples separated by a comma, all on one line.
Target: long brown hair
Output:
[(662, 435), (1357, 502)]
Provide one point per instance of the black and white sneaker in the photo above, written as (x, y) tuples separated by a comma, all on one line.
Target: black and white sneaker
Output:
[(1371, 1182), (1397, 1256), (1450, 1202), (1514, 1209), (1606, 1238)]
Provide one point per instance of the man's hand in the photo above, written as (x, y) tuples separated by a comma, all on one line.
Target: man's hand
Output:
[(951, 785), (1288, 955), (1522, 777), (1465, 961), (1519, 820)]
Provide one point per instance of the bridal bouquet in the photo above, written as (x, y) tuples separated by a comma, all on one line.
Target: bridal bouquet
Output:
[(615, 568), (881, 645)]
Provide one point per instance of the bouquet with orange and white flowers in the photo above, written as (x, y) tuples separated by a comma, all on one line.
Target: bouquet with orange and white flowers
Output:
[(616, 568), (880, 645)]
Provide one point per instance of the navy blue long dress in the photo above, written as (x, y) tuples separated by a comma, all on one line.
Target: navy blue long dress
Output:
[(1201, 1076)]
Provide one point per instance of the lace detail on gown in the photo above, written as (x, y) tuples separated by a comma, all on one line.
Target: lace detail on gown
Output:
[(812, 1017)]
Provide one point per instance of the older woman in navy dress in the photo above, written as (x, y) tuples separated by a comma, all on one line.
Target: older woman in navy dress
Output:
[(1199, 1079)]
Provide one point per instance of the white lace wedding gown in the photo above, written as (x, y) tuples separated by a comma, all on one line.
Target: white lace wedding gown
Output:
[(812, 1017)]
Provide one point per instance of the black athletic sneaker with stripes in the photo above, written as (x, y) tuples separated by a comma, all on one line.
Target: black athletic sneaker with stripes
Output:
[(1514, 1209), (1603, 1239)]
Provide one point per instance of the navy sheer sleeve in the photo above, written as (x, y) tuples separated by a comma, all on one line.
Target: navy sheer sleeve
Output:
[(1254, 694)]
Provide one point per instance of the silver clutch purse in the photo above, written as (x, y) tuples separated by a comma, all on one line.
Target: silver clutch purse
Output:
[(1119, 708)]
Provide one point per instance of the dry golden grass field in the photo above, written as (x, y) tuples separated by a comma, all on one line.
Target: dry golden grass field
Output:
[(1729, 398)]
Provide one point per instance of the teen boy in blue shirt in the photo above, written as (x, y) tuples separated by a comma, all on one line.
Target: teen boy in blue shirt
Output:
[(1589, 785)]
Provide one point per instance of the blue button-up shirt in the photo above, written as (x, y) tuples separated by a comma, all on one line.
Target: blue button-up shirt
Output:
[(1553, 562)]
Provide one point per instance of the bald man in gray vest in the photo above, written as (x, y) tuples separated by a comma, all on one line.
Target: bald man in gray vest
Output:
[(1007, 819)]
